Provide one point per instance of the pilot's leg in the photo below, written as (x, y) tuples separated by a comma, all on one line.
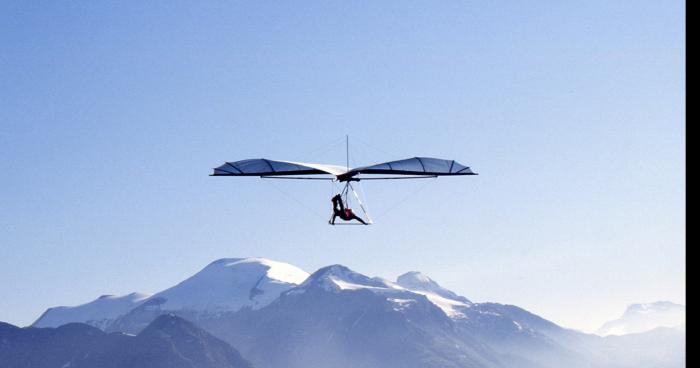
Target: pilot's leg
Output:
[(359, 219)]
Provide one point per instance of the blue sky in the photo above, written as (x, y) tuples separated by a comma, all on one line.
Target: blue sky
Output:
[(113, 114)]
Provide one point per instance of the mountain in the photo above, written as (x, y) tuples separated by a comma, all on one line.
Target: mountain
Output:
[(279, 316), (47, 347), (345, 319), (98, 313), (645, 317), (661, 347), (169, 341), (231, 284), (417, 281), (338, 277), (225, 285)]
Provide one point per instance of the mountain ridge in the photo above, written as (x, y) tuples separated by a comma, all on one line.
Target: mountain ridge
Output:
[(256, 282), (643, 317), (167, 342), (347, 319)]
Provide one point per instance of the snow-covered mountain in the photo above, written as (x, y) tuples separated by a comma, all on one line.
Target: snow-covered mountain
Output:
[(417, 281), (98, 313), (408, 287), (278, 315), (345, 319), (225, 285), (645, 317), (348, 319), (230, 284)]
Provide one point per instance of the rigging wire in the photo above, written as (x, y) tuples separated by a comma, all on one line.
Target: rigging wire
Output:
[(323, 149), (390, 154), (362, 191), (359, 202), (289, 196), (404, 199)]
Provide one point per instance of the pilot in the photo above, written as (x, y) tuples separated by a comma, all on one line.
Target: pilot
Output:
[(339, 210)]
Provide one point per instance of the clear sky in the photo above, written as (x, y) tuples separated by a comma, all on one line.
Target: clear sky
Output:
[(112, 115)]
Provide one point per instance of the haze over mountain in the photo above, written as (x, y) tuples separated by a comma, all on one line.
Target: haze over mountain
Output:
[(645, 317), (280, 316)]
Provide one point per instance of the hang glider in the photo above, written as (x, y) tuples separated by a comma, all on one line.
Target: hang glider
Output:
[(410, 168)]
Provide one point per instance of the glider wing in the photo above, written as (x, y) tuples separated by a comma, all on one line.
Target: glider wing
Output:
[(421, 166), (264, 167)]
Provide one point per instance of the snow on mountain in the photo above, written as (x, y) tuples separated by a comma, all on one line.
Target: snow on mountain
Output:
[(97, 313), (278, 315), (346, 319), (340, 318), (417, 281), (446, 300), (338, 277), (230, 284), (225, 285), (453, 308), (645, 317)]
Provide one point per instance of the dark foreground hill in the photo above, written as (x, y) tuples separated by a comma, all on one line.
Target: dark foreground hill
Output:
[(168, 341)]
